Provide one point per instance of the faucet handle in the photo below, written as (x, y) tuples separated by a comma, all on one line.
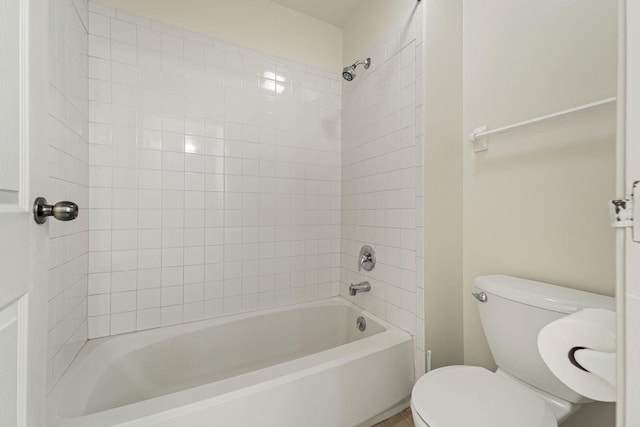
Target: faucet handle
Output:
[(367, 258), (363, 258)]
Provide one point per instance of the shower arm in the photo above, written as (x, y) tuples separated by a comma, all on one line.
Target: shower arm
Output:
[(365, 62)]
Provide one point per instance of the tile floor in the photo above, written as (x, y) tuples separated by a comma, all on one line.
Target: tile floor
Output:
[(402, 419)]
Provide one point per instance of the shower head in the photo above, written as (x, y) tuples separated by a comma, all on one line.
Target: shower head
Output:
[(349, 73)]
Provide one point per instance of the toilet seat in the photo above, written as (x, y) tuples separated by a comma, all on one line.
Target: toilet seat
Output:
[(465, 396)]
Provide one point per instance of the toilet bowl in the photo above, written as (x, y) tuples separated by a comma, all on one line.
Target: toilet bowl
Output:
[(460, 396), (522, 392)]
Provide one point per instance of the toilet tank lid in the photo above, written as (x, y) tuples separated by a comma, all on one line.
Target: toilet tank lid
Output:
[(542, 295)]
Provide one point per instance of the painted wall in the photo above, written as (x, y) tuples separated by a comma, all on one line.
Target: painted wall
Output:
[(254, 24), (442, 120), (214, 174), (382, 178), (68, 128), (371, 21), (535, 203)]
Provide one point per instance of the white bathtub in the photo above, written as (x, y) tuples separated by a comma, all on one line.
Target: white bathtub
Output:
[(304, 365)]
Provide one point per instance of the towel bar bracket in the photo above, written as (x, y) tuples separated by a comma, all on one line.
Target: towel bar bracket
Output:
[(479, 142)]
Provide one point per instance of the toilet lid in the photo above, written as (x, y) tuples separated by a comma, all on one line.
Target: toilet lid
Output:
[(461, 396)]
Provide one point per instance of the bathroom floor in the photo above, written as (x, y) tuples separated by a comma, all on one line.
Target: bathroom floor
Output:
[(402, 419)]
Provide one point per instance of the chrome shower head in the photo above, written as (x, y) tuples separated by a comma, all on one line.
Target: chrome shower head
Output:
[(349, 73)]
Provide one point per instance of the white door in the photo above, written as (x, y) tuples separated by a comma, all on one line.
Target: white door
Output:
[(23, 243), (632, 248)]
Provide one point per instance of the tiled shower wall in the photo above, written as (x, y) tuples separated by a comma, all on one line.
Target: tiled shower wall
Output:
[(382, 185), (68, 180), (214, 174)]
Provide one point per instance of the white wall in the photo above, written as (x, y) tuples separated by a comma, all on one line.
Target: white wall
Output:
[(68, 128), (382, 177), (535, 203), (215, 177), (254, 24), (442, 120), (371, 21)]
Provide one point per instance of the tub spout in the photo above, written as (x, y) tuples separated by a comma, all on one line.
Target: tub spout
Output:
[(360, 287)]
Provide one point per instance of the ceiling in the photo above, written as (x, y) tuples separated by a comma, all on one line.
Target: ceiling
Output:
[(334, 12)]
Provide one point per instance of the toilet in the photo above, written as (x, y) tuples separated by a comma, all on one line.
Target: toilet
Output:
[(522, 392)]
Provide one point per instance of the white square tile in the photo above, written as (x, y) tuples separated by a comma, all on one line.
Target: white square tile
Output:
[(171, 315), (149, 258), (99, 283), (123, 302), (149, 39), (122, 281), (99, 47), (147, 299), (98, 326), (124, 74), (193, 311), (149, 278), (213, 308), (99, 304), (124, 53), (124, 260), (147, 319), (172, 44), (123, 322), (123, 31)]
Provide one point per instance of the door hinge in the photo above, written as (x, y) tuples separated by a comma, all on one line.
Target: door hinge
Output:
[(622, 213)]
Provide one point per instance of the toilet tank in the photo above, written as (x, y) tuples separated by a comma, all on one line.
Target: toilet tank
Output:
[(515, 311)]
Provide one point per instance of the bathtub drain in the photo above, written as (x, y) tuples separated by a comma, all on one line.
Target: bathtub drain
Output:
[(361, 323)]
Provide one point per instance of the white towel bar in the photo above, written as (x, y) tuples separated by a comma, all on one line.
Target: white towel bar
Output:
[(479, 135)]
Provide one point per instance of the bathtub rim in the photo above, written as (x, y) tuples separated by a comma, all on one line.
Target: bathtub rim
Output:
[(190, 399)]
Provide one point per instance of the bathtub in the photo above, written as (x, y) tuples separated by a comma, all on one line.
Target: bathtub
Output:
[(303, 365)]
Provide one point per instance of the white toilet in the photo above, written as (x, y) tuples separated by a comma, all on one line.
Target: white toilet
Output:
[(522, 392)]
